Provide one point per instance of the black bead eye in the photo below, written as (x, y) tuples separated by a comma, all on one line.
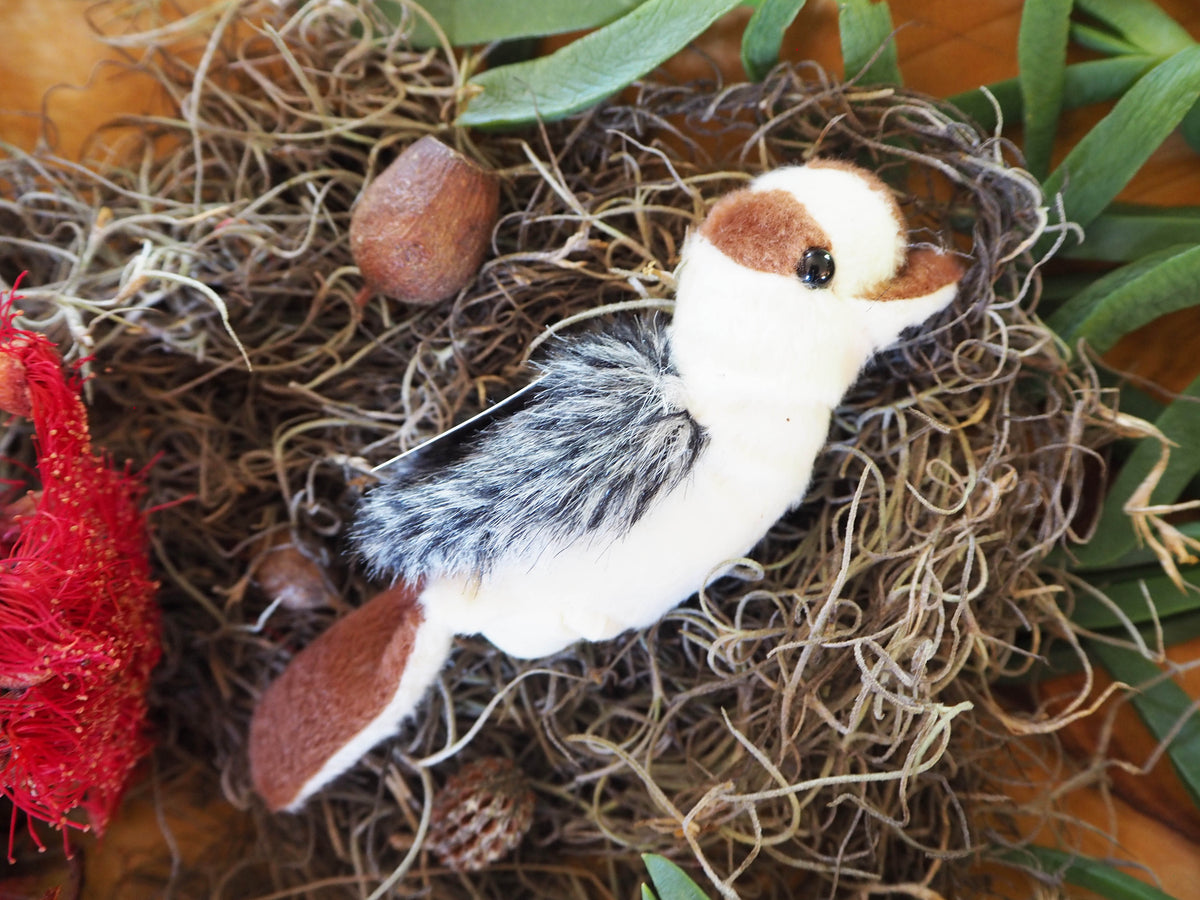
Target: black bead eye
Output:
[(816, 268)]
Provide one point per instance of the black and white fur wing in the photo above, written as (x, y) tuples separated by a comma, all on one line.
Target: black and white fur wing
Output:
[(603, 433)]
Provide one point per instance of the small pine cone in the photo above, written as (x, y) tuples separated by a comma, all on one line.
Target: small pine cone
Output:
[(480, 815)]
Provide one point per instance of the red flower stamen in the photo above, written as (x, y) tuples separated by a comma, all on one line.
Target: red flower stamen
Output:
[(78, 621)]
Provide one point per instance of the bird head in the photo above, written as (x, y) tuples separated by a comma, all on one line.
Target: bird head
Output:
[(834, 230)]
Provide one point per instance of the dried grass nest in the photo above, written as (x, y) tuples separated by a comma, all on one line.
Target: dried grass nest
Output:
[(820, 724)]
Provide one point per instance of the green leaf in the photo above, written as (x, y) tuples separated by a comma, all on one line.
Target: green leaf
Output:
[(1190, 127), (1101, 164), (1175, 630), (1102, 41), (1058, 289), (1162, 707), (1140, 562), (764, 36), (1180, 423), (592, 68), (483, 21), (1141, 23), (670, 881), (1085, 872), (1129, 297), (1062, 659), (866, 27), (1127, 231), (647, 894), (1129, 595), (1042, 61), (1084, 83)]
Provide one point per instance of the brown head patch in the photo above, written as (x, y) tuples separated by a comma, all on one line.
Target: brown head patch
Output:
[(923, 273), (763, 230)]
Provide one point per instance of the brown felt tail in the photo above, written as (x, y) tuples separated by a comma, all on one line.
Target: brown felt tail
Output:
[(345, 692)]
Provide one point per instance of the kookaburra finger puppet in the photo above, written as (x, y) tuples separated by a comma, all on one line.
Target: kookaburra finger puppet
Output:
[(644, 458)]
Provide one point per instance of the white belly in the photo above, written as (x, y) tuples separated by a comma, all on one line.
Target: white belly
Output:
[(599, 587)]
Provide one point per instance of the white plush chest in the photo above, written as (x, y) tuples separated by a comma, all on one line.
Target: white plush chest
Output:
[(599, 587)]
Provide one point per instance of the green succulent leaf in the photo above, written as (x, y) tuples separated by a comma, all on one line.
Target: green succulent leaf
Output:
[(764, 35), (591, 68), (1063, 659), (1127, 231), (1102, 163), (1113, 537), (1190, 128), (1042, 58), (1102, 41), (1129, 591), (670, 881), (1163, 706), (1085, 872), (1141, 23), (467, 22), (866, 29), (1084, 83), (1129, 297)]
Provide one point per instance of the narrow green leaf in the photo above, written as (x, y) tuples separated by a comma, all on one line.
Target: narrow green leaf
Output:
[(1084, 83), (764, 36), (647, 894), (1180, 423), (1134, 401), (1162, 706), (1101, 164), (1176, 630), (483, 21), (1102, 40), (1058, 289), (1085, 872), (1127, 231), (670, 881), (1190, 128), (1062, 659), (1042, 61), (592, 68), (1142, 23), (866, 27), (1129, 297), (1140, 562), (1129, 595)]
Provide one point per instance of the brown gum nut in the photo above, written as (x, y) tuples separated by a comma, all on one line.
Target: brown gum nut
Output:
[(420, 229), (287, 574)]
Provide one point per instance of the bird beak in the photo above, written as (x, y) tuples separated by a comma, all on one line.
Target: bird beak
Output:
[(925, 285), (925, 273)]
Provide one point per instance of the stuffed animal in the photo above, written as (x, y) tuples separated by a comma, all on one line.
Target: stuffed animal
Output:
[(644, 458)]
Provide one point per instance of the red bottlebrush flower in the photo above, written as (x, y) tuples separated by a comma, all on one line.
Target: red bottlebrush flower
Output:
[(78, 620)]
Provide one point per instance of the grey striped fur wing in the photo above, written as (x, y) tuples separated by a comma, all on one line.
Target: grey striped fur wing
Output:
[(603, 434)]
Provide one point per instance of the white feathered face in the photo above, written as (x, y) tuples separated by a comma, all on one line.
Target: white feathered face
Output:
[(830, 225)]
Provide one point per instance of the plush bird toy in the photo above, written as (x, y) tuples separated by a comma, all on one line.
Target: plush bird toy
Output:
[(644, 459)]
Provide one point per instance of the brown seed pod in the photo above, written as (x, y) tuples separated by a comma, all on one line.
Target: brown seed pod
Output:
[(481, 814), (420, 229), (286, 573)]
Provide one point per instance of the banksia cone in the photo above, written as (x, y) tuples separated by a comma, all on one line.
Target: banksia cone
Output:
[(78, 622), (481, 814)]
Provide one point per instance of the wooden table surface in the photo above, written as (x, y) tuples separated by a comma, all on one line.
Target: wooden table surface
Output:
[(945, 46)]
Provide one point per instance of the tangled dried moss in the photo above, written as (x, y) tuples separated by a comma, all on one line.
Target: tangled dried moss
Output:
[(820, 724)]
